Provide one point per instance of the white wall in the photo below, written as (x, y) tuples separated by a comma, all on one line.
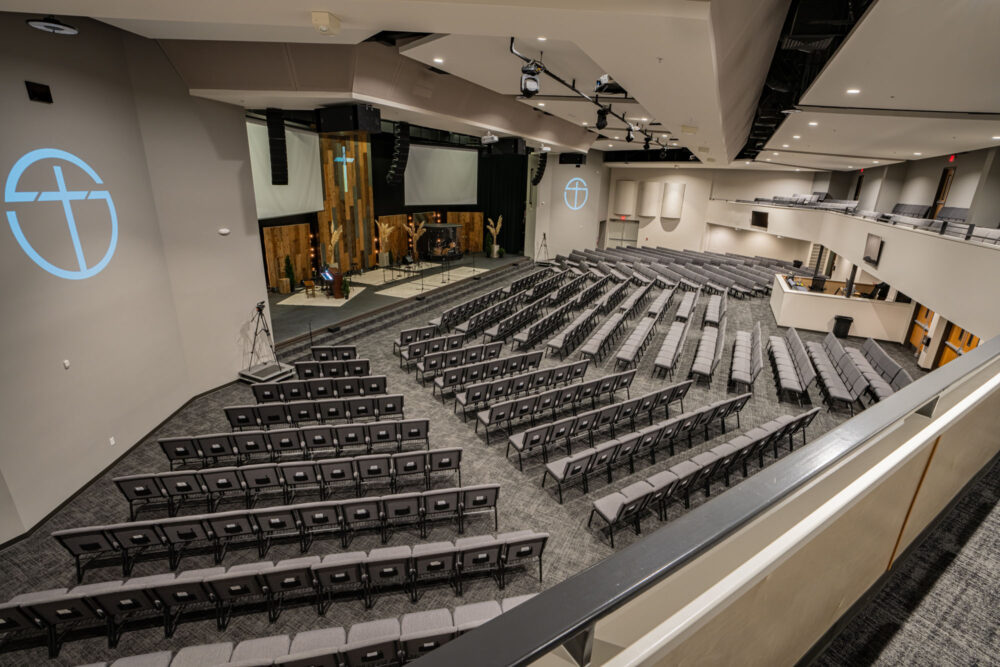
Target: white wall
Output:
[(986, 203), (870, 187), (750, 242), (701, 185), (923, 176), (891, 188), (565, 228), (161, 322)]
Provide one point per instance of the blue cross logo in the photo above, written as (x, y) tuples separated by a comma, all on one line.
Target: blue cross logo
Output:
[(344, 160), (66, 197), (576, 186)]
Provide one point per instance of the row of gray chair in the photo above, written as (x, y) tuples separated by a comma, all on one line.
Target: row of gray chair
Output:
[(670, 349), (794, 373), (601, 341), (171, 537), (545, 286), (455, 315), (486, 317), (688, 304), (408, 336), (268, 415), (564, 342), (839, 377), (355, 473), (391, 641), (630, 504), (610, 301), (715, 311), (885, 375), (293, 443), (307, 370), (527, 338), (510, 387), (566, 292), (584, 424), (627, 448), (748, 358), (412, 353), (504, 413), (522, 284), (658, 308), (455, 378), (317, 388), (591, 292), (709, 351), (638, 340), (636, 300), (513, 323), (433, 364), (334, 352)]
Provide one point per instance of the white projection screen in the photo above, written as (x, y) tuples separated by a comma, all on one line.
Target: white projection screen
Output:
[(439, 176), (304, 192)]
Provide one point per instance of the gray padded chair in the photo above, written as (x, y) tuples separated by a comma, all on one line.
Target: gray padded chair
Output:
[(373, 643), (424, 631), (470, 616), (205, 654), (263, 650)]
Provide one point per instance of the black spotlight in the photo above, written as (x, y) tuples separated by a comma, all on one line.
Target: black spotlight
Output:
[(663, 153), (645, 144), (629, 136), (602, 118), (529, 78)]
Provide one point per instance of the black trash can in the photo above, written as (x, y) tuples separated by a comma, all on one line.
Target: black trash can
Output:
[(842, 325)]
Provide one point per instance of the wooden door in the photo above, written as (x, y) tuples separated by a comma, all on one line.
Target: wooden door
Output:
[(921, 325), (957, 341), (944, 186)]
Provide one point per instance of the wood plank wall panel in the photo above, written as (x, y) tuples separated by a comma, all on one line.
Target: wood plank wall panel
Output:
[(472, 228), (350, 209), (287, 240), (399, 244)]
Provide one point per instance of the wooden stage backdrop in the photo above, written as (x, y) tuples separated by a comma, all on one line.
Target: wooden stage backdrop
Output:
[(472, 228), (287, 241), (347, 188)]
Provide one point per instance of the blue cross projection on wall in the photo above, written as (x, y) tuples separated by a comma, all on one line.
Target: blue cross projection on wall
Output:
[(344, 160), (65, 197), (575, 194)]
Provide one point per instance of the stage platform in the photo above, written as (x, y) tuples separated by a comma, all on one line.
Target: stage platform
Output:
[(293, 315)]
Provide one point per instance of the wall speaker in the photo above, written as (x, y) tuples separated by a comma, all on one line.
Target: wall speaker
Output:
[(509, 146), (276, 145), (536, 178), (400, 154), (349, 118), (38, 92), (573, 158)]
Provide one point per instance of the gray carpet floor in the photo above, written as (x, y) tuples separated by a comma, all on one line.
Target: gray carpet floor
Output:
[(38, 562)]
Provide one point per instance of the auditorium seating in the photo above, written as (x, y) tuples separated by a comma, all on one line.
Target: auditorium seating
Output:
[(432, 364), (638, 340), (839, 377), (885, 376), (451, 317), (598, 345), (658, 308), (635, 301), (610, 300), (482, 393), (590, 293), (566, 340), (584, 424), (453, 378), (793, 371), (212, 485), (504, 413), (545, 286), (307, 370), (334, 352), (522, 284), (670, 349), (407, 336), (292, 443), (715, 310), (414, 351), (481, 320), (536, 332), (625, 449), (510, 325), (709, 351), (748, 358), (276, 415), (317, 388), (687, 306), (627, 507), (566, 291), (170, 537)]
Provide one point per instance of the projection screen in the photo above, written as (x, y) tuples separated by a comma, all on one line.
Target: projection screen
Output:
[(439, 176), (304, 192)]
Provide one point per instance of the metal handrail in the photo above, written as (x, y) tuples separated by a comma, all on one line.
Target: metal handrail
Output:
[(571, 608)]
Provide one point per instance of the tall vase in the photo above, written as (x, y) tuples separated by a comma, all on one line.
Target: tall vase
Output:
[(494, 251)]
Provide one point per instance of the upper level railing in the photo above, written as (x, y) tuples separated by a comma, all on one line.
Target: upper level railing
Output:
[(872, 475)]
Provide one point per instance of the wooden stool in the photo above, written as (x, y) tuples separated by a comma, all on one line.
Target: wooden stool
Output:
[(310, 288)]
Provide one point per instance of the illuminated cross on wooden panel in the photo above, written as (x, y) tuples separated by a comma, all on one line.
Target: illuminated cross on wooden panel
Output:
[(344, 159)]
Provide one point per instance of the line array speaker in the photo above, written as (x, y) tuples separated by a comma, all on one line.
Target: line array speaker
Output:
[(536, 178), (276, 144), (400, 154), (573, 158), (349, 118)]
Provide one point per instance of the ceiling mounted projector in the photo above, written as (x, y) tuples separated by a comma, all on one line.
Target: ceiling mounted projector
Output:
[(608, 86), (489, 138), (53, 25)]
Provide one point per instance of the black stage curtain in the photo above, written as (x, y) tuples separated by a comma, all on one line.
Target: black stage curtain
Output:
[(503, 190)]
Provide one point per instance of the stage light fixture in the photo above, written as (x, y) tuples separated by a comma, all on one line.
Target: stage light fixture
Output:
[(629, 137), (645, 144), (602, 118), (663, 153), (529, 78)]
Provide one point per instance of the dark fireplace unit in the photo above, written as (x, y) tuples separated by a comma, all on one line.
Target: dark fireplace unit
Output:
[(440, 242)]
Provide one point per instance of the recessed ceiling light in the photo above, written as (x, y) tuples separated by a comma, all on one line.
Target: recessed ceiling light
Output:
[(673, 143), (997, 137), (767, 159), (584, 122), (546, 148), (746, 163), (918, 153), (643, 119), (773, 153), (610, 145), (850, 166), (796, 136), (874, 161), (813, 123), (617, 137), (541, 39), (798, 170), (439, 60), (541, 104), (852, 91), (784, 145)]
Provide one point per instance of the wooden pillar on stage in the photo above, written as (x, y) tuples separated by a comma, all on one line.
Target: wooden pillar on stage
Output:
[(348, 200), (472, 228)]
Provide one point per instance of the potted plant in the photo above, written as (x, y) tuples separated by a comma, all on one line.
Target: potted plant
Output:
[(385, 231), (346, 286), (415, 233), (494, 229), (290, 273)]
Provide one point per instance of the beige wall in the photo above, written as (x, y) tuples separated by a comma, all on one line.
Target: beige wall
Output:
[(750, 242)]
